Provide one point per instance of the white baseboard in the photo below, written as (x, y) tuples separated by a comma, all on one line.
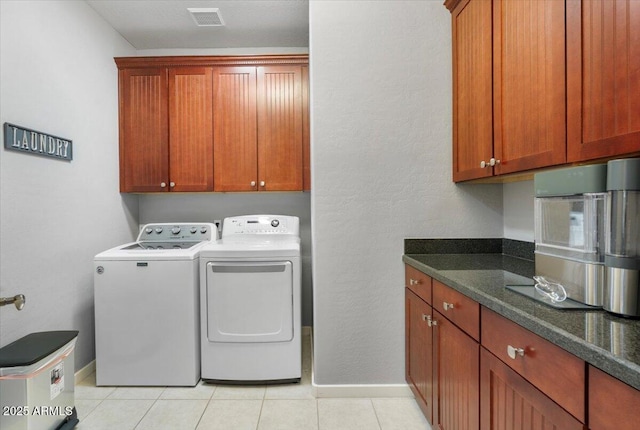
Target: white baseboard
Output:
[(355, 390), (85, 371)]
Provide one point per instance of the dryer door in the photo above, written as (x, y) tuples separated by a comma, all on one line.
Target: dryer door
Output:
[(250, 301)]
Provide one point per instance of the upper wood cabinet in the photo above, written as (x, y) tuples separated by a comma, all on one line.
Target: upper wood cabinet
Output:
[(528, 84), (603, 77), (258, 123), (190, 129), (280, 128), (235, 129), (144, 150), (472, 89), (508, 86), (214, 123)]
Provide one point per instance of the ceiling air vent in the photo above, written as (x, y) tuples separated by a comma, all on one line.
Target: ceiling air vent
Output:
[(206, 17)]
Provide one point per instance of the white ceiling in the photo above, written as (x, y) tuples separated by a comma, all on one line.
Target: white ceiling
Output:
[(166, 24)]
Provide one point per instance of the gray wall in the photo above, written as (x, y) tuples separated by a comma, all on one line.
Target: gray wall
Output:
[(381, 82), (381, 171), (518, 211), (58, 77)]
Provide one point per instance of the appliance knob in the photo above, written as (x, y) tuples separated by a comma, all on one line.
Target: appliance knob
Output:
[(275, 223), (175, 230), (159, 230), (193, 230), (148, 230), (203, 230)]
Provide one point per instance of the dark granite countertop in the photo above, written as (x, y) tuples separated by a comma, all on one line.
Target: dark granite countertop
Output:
[(603, 340)]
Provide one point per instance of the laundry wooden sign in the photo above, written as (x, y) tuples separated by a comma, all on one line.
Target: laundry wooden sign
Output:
[(37, 143)]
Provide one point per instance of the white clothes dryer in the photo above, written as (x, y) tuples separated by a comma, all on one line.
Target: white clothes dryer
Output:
[(147, 307), (250, 301)]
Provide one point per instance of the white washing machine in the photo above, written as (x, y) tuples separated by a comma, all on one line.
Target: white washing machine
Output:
[(147, 305), (250, 301)]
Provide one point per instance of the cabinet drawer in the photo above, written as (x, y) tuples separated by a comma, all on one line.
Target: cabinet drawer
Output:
[(418, 282), (457, 308), (554, 371)]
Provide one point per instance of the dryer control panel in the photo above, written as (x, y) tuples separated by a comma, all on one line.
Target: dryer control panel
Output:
[(261, 224)]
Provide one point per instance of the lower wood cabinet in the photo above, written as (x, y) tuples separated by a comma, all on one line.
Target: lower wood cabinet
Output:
[(471, 368), (509, 402), (441, 358), (551, 369), (613, 405), (457, 377), (419, 352)]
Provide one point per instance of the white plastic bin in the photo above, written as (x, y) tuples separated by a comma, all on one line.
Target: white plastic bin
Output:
[(37, 382)]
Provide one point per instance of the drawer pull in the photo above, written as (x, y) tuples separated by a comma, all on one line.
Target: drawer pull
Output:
[(415, 281), (514, 352), (431, 322), (447, 306)]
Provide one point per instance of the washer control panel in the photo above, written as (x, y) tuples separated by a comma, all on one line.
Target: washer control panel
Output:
[(191, 232), (261, 224)]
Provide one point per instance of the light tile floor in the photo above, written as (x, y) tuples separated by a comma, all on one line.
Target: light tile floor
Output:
[(220, 407)]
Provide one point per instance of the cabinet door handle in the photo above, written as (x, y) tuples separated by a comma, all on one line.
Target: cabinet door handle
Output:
[(163, 184), (262, 183), (415, 282), (514, 352), (172, 184), (447, 306), (426, 317), (431, 322), (253, 183), (492, 162)]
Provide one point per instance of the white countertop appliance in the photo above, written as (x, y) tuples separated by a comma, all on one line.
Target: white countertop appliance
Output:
[(147, 307), (250, 301)]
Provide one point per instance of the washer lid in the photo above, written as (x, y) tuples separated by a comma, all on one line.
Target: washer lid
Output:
[(135, 251)]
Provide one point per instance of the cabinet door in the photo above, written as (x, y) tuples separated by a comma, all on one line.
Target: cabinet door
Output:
[(603, 76), (190, 129), (613, 405), (280, 128), (508, 401), (529, 84), (144, 146), (457, 376), (418, 349), (235, 159), (472, 96)]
